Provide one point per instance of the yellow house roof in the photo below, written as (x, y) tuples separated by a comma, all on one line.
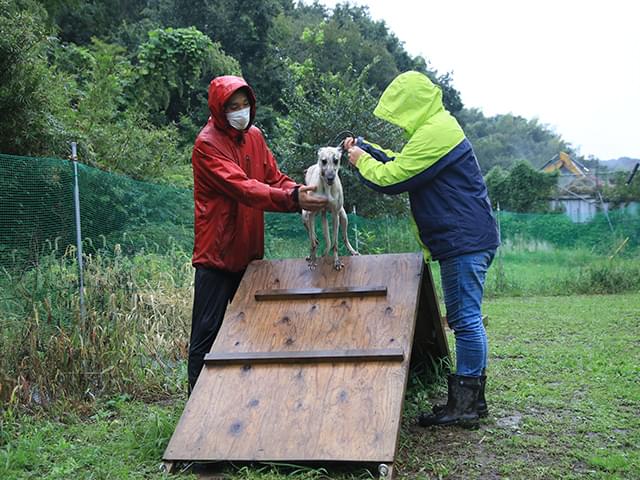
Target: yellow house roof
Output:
[(563, 160)]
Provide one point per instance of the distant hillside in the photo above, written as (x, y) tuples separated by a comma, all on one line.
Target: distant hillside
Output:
[(622, 163)]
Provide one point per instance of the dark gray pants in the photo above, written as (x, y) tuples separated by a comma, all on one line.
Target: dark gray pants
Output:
[(213, 290)]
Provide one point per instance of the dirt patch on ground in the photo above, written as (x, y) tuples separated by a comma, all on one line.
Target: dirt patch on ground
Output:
[(498, 448)]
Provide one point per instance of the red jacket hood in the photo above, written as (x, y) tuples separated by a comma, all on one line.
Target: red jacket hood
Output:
[(220, 90)]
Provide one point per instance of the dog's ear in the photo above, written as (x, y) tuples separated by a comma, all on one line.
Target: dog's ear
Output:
[(340, 150)]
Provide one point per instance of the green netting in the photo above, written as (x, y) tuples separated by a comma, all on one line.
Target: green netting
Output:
[(37, 211), (37, 217), (602, 233), (36, 207)]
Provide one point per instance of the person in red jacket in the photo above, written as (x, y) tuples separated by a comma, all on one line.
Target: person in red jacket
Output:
[(235, 180)]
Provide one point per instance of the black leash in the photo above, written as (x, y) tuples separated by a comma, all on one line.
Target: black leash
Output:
[(344, 134)]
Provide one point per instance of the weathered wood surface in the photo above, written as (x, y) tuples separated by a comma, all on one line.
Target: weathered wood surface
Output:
[(341, 411), (311, 356)]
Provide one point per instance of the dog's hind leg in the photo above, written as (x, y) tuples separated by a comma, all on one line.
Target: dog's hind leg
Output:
[(344, 223)]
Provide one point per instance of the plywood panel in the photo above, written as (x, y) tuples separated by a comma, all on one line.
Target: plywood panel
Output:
[(344, 410), (334, 323), (323, 412)]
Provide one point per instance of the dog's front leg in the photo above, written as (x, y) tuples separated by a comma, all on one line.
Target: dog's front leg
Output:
[(325, 234), (309, 220), (337, 264)]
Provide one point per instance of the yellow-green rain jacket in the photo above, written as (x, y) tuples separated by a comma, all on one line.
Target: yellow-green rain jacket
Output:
[(437, 166)]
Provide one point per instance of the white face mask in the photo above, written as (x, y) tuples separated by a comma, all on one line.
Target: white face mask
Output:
[(240, 118)]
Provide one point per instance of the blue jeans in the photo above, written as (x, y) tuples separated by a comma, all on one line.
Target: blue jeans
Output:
[(463, 285)]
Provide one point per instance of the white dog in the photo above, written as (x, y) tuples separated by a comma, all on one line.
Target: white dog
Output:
[(324, 175)]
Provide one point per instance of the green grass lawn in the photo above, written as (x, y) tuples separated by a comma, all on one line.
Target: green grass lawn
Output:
[(563, 390)]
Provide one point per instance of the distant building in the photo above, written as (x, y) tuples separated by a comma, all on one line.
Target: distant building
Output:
[(579, 209), (576, 193), (571, 171)]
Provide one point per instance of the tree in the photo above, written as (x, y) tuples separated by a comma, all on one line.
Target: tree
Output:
[(522, 189), (619, 192), (504, 139), (243, 29), (174, 69), (29, 92), (78, 21), (113, 132), (347, 41)]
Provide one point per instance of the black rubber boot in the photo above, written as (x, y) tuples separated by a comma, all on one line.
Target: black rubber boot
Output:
[(461, 408), (483, 409)]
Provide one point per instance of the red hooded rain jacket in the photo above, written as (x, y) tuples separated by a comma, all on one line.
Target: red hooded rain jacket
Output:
[(235, 180)]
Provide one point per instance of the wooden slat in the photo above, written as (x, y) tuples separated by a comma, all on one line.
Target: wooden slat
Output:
[(312, 356), (327, 292)]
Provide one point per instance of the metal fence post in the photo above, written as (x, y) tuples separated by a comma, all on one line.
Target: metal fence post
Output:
[(76, 204)]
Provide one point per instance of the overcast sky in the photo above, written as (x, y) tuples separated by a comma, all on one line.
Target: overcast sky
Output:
[(574, 65)]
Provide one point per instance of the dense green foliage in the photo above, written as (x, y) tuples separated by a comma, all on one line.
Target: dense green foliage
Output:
[(173, 67), (29, 89), (128, 81), (623, 188)]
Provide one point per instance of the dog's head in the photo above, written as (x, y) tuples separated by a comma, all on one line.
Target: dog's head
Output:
[(329, 163)]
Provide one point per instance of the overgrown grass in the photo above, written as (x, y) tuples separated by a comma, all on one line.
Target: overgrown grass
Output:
[(537, 268), (131, 338)]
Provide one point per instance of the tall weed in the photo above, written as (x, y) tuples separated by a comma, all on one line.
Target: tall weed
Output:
[(610, 276), (132, 338)]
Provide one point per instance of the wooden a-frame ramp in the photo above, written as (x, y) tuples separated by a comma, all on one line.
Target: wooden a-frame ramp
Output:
[(311, 366)]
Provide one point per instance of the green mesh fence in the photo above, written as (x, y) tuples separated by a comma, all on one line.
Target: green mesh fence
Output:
[(37, 217), (603, 233), (37, 211)]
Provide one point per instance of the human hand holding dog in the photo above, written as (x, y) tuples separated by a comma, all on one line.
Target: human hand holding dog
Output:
[(309, 201), (353, 151)]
